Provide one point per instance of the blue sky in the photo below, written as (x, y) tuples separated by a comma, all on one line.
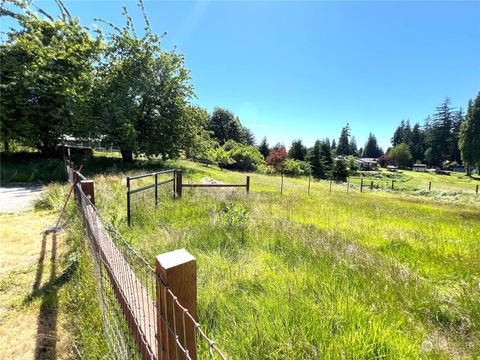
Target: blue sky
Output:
[(304, 69)]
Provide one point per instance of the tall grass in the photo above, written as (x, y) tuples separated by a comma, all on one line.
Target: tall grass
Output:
[(330, 275)]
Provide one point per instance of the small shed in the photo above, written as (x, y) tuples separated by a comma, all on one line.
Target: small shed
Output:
[(419, 167), (392, 168)]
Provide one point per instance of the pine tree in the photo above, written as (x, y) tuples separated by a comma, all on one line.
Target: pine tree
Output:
[(353, 146), (334, 145), (297, 151), (263, 147), (470, 136), (399, 134), (326, 156), (416, 145), (343, 147), (340, 171), (316, 163), (372, 150)]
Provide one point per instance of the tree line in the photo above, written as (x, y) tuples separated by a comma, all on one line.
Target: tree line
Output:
[(109, 83)]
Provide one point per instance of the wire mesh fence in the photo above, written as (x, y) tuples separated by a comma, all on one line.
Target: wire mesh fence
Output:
[(142, 316)]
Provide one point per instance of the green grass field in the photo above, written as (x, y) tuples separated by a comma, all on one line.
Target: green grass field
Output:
[(331, 275), (407, 180)]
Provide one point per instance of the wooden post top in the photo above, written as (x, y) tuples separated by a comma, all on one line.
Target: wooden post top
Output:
[(174, 258)]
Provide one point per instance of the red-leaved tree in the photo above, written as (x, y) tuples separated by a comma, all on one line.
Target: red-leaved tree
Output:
[(277, 157), (384, 161)]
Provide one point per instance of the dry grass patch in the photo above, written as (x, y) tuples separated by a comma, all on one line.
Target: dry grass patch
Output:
[(32, 273)]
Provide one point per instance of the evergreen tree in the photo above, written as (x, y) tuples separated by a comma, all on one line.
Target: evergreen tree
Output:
[(263, 147), (225, 126), (372, 150), (416, 145), (353, 146), (326, 157), (343, 147), (340, 171), (439, 134), (454, 149), (316, 163), (470, 136), (297, 151), (399, 134), (247, 137), (334, 145)]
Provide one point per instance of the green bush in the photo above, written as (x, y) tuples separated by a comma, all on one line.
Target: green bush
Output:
[(245, 157), (293, 167)]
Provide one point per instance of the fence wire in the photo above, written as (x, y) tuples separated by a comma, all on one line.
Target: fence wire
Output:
[(127, 290)]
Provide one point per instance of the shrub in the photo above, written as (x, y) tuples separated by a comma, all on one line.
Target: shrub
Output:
[(340, 172), (293, 167), (244, 157)]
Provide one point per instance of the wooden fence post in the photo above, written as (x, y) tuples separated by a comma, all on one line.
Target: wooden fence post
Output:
[(247, 185), (371, 185), (361, 185), (393, 184), (330, 190), (309, 176), (477, 190), (178, 271), (281, 186), (348, 185), (178, 183), (429, 185), (88, 189)]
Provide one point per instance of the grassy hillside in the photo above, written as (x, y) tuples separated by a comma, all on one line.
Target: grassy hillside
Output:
[(330, 275)]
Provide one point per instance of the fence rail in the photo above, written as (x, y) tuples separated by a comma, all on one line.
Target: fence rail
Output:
[(155, 185), (147, 312)]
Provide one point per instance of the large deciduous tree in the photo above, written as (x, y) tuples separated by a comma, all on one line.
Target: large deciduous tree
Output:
[(401, 154), (45, 76), (143, 94), (470, 136)]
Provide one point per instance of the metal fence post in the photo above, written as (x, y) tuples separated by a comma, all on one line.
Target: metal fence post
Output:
[(178, 183), (177, 272), (248, 184), (128, 200), (88, 188), (156, 189)]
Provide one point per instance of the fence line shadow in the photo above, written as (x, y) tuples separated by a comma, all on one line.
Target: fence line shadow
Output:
[(47, 332)]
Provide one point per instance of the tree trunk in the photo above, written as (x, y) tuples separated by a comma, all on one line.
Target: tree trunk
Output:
[(127, 156), (469, 169)]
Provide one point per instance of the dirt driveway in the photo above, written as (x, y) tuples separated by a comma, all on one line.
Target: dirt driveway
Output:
[(18, 197)]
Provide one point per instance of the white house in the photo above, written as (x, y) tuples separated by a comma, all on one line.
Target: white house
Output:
[(419, 167)]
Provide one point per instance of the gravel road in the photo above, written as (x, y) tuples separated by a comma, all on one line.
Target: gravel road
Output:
[(18, 197)]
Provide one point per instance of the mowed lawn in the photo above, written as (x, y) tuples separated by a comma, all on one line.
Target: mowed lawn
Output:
[(331, 275)]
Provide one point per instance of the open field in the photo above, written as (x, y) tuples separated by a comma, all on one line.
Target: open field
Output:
[(408, 180), (331, 275), (34, 275)]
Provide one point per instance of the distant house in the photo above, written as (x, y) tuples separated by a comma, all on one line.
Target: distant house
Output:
[(392, 168), (367, 164), (419, 167)]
